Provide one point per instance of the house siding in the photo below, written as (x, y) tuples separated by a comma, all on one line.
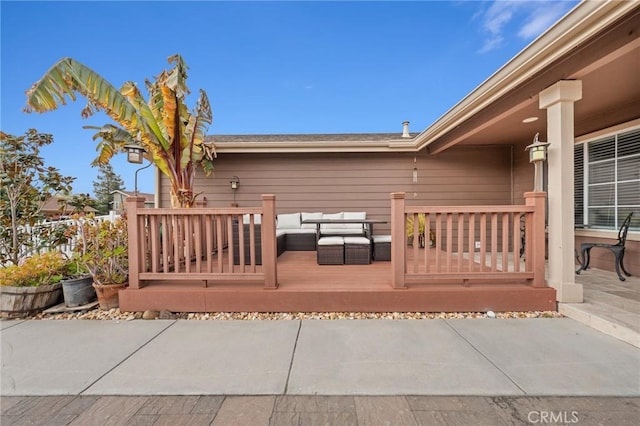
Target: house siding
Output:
[(331, 182), (523, 173)]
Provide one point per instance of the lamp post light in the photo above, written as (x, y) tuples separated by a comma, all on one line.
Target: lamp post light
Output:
[(537, 156), (135, 155)]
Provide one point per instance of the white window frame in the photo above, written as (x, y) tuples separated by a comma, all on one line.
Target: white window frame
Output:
[(583, 142)]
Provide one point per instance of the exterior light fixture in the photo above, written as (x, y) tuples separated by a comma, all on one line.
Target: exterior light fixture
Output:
[(134, 153), (415, 171), (135, 156), (235, 183), (537, 150), (537, 156)]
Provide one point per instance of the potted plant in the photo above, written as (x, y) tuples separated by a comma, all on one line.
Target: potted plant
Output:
[(77, 284), (103, 245), (32, 285), (421, 231)]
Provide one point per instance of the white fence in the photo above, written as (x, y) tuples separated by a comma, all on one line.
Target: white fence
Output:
[(35, 244)]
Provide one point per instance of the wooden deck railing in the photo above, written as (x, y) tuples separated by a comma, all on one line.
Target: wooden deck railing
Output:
[(470, 242), (198, 243)]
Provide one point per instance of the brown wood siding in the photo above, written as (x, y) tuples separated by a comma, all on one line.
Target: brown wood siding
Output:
[(522, 173), (333, 182)]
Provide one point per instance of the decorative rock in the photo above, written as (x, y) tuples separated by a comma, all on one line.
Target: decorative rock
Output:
[(149, 315), (116, 314), (167, 315)]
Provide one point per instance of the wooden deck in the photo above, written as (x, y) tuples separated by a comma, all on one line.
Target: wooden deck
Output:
[(305, 286)]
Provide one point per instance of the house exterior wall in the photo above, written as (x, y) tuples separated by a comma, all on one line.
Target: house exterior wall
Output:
[(332, 182), (118, 202), (522, 172)]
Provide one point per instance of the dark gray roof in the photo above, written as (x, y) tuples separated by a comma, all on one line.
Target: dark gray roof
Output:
[(332, 137)]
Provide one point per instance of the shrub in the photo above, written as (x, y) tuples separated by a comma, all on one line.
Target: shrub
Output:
[(104, 250), (40, 269)]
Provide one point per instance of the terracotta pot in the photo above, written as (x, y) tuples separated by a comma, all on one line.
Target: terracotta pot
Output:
[(108, 295)]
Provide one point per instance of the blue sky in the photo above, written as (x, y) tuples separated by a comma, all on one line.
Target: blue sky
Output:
[(267, 67)]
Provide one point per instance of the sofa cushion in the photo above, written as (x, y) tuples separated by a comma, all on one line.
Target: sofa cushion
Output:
[(331, 241), (357, 240), (382, 238), (332, 225), (307, 215), (288, 221), (356, 216), (257, 219), (344, 231)]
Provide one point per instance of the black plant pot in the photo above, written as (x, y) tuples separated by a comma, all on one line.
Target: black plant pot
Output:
[(78, 291)]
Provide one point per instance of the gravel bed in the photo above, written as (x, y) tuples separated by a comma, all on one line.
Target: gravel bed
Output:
[(116, 314)]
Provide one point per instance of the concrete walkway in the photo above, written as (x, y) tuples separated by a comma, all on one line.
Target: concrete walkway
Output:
[(493, 357), (425, 371), (610, 305)]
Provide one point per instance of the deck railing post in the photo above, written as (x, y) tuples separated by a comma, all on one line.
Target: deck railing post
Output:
[(537, 243), (269, 247), (398, 242), (134, 236)]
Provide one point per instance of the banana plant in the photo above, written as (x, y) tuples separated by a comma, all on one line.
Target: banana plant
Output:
[(172, 136)]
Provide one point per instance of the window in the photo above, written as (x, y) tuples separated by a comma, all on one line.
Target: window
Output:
[(607, 181)]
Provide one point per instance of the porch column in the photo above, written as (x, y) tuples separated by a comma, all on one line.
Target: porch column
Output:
[(398, 240), (269, 248), (135, 255), (558, 100)]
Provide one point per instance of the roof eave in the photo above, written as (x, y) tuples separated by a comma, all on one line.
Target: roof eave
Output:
[(324, 146), (578, 25)]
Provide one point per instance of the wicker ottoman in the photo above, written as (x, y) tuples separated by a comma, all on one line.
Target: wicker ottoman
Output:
[(357, 251), (382, 247), (331, 251)]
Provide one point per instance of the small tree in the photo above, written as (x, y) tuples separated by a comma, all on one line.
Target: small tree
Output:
[(171, 134), (25, 185), (103, 187)]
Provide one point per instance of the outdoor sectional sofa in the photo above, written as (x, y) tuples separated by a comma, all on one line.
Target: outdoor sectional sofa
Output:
[(293, 235)]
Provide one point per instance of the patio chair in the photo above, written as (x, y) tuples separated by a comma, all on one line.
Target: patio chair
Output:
[(617, 249)]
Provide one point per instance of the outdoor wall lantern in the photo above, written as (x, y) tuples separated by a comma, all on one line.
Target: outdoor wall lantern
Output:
[(415, 171), (134, 153), (537, 156), (537, 150), (235, 183)]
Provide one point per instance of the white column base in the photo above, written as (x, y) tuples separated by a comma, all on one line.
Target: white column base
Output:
[(567, 292)]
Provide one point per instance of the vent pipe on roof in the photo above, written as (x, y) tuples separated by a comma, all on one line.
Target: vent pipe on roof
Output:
[(405, 129)]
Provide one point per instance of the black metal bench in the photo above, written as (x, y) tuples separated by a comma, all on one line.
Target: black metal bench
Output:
[(617, 249)]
